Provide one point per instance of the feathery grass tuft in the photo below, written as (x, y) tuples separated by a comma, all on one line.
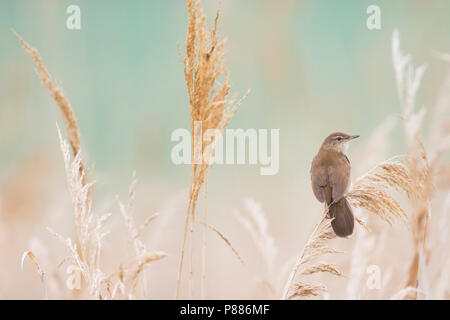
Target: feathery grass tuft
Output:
[(315, 247), (209, 106), (303, 290), (57, 94), (370, 191)]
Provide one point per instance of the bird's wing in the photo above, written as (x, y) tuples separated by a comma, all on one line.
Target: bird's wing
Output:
[(319, 180), (339, 179)]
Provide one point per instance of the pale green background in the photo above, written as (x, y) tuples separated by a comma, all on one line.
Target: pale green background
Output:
[(313, 67)]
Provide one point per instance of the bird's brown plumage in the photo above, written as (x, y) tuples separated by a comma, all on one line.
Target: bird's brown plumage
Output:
[(330, 178)]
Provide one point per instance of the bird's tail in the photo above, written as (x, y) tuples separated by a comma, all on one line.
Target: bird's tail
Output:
[(342, 215)]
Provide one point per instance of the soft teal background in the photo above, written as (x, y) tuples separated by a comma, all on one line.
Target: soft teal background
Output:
[(313, 67)]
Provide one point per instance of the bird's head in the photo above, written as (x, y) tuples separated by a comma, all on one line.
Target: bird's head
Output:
[(338, 142)]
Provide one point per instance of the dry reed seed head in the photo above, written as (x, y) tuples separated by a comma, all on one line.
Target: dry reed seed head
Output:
[(320, 237), (419, 169), (203, 66), (370, 191), (389, 174), (304, 290), (319, 251), (314, 248), (322, 267), (226, 240), (421, 175), (57, 95), (363, 224), (129, 277), (396, 176), (378, 202), (88, 229), (148, 221), (408, 78), (148, 257)]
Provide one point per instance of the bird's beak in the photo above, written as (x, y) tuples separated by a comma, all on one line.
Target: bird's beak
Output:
[(353, 137)]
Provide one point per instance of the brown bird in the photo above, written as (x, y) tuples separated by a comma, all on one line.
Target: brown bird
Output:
[(330, 178)]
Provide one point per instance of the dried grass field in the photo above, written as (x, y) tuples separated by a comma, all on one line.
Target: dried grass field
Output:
[(71, 231)]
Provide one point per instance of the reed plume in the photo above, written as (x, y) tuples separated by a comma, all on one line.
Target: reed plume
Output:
[(128, 277), (417, 161), (367, 244), (210, 109), (85, 251), (82, 196), (316, 246), (57, 94), (85, 254), (371, 192)]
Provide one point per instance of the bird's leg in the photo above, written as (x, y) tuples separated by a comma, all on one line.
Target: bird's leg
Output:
[(327, 211)]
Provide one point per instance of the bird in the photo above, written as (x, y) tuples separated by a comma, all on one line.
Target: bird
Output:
[(330, 179)]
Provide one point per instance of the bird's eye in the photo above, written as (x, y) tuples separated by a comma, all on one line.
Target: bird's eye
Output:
[(339, 138)]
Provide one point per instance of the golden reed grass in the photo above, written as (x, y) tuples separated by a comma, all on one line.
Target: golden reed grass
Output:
[(209, 106), (420, 169), (85, 253), (369, 192), (316, 246), (57, 94), (66, 111), (411, 174), (226, 240)]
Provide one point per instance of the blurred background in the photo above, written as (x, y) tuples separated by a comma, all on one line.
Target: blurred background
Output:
[(313, 68)]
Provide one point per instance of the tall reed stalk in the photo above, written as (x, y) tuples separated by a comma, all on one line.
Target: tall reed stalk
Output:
[(210, 109)]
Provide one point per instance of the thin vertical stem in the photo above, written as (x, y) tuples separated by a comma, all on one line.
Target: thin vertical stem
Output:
[(191, 254), (183, 246), (205, 228)]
